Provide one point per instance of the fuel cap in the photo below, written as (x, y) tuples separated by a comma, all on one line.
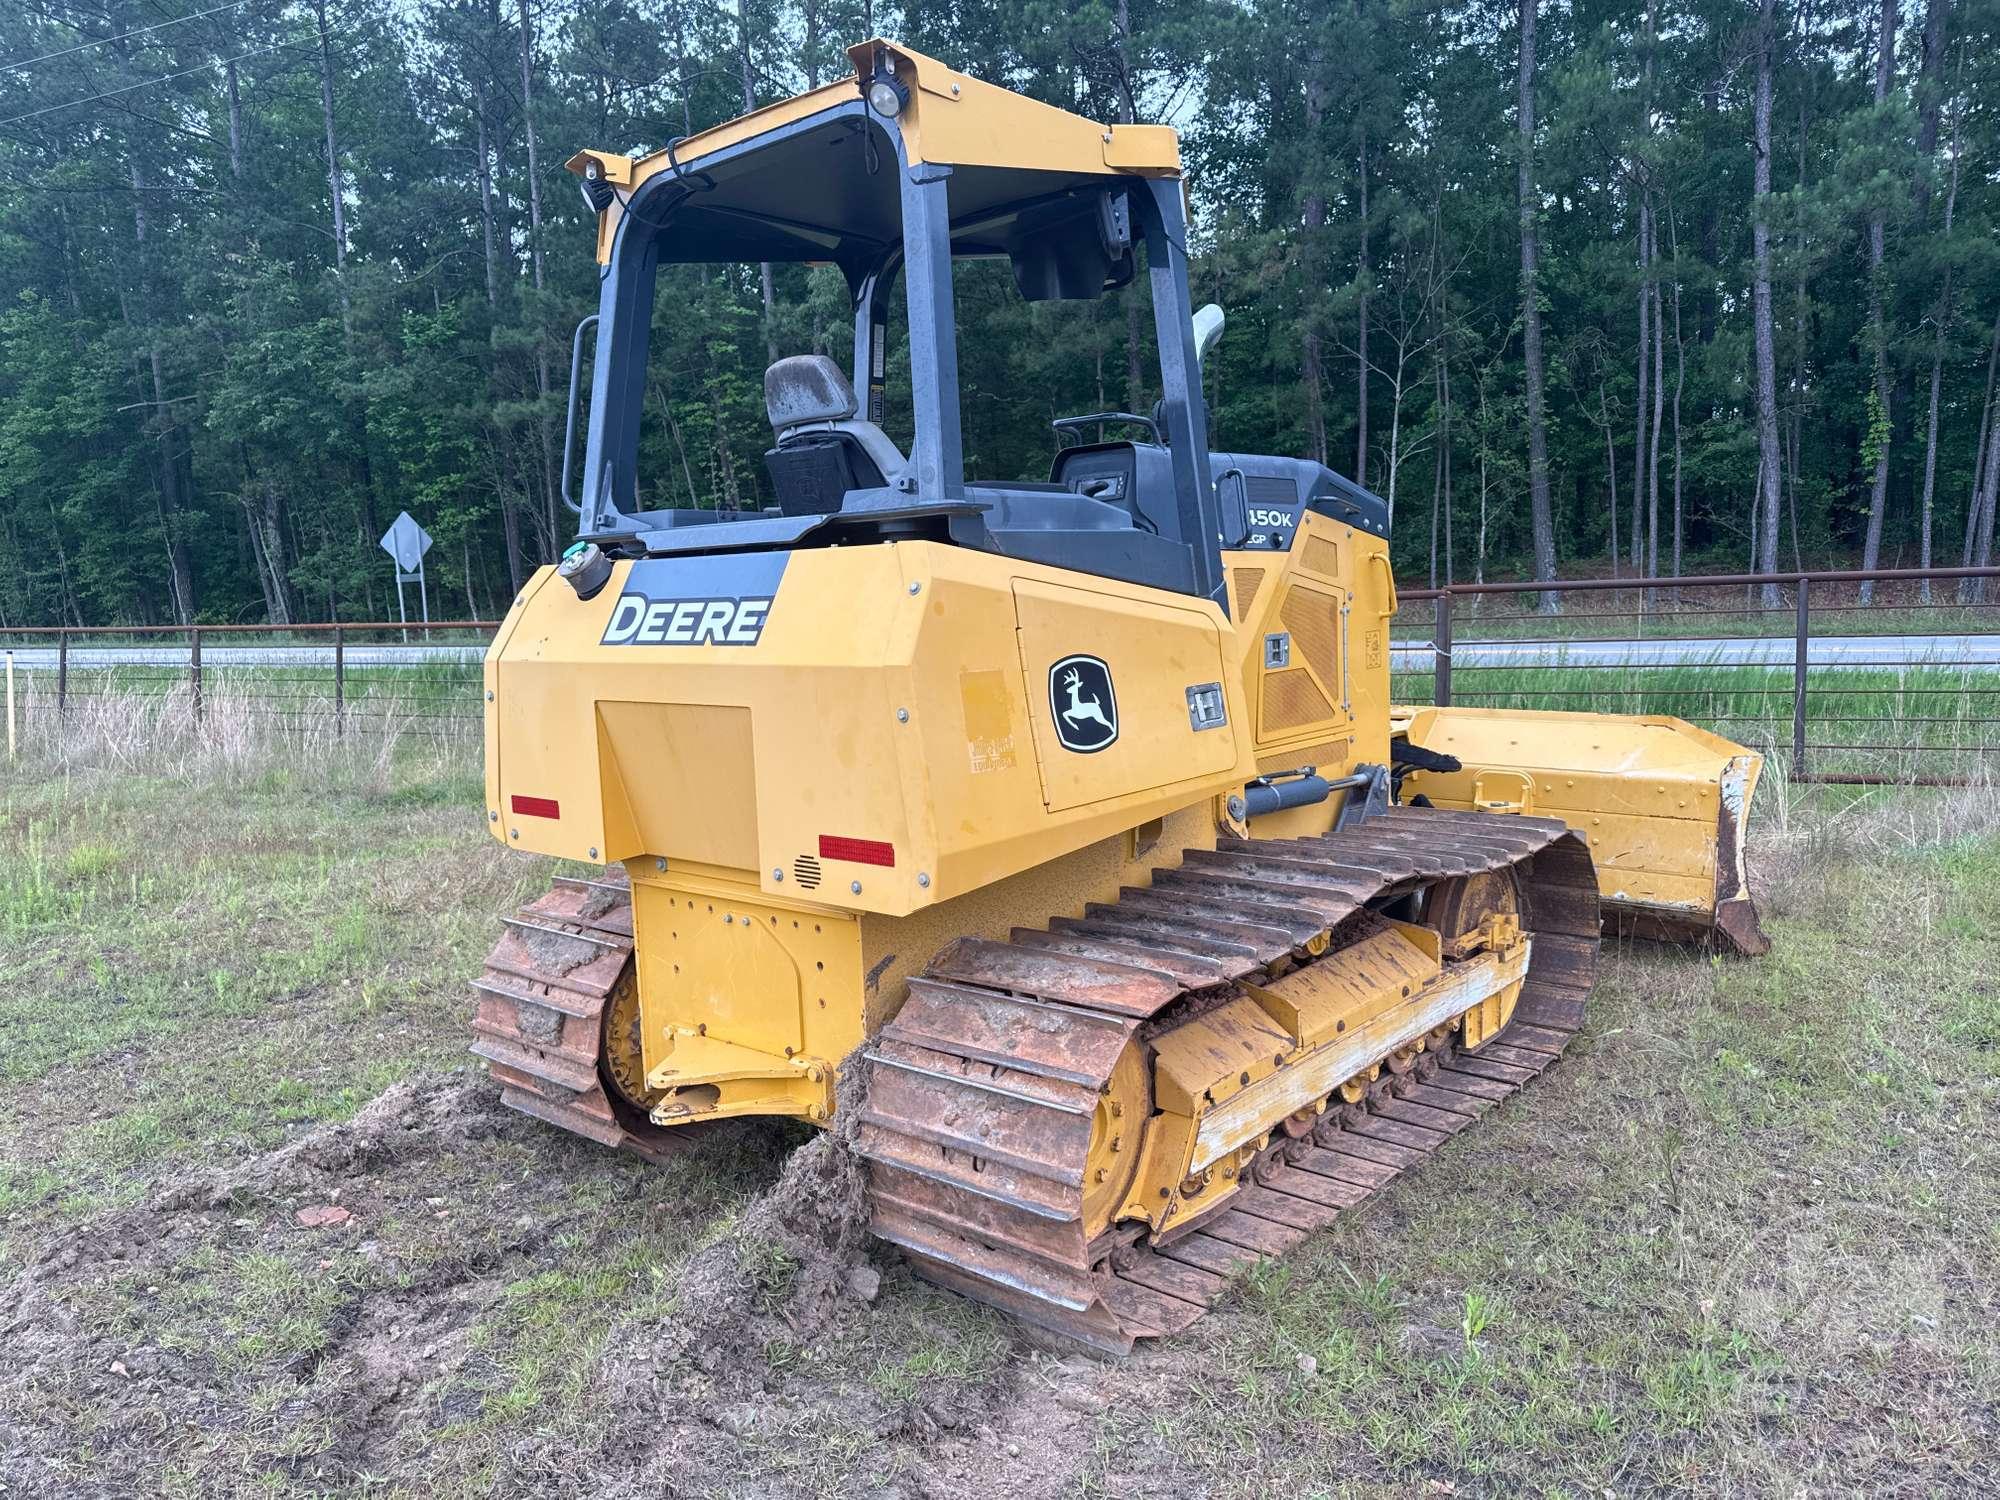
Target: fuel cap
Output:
[(586, 569)]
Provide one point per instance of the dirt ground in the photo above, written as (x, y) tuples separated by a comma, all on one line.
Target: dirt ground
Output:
[(264, 1230)]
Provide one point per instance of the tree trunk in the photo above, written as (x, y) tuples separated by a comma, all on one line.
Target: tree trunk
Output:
[(750, 103), (1930, 91), (1756, 532), (1395, 433), (1531, 321), (334, 186), (1312, 379), (1760, 242), (1653, 442), (1610, 469), (484, 174), (510, 531), (72, 269), (1795, 412), (1479, 558), (1881, 420), (68, 607), (1979, 465), (1943, 321), (185, 600), (180, 573), (1136, 338), (528, 130), (264, 513), (510, 520), (1637, 535), (1361, 333), (1649, 332), (1983, 505), (1680, 380), (542, 429), (1708, 229), (253, 532), (1312, 362), (1437, 461), (1444, 444), (235, 123)]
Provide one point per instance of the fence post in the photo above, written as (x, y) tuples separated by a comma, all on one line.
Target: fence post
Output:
[(339, 681), (62, 672), (1801, 631), (1441, 651), (194, 668)]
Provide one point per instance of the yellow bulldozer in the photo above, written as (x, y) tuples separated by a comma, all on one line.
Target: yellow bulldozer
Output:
[(1075, 812)]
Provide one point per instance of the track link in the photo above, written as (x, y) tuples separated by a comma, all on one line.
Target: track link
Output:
[(984, 1091), (543, 1008)]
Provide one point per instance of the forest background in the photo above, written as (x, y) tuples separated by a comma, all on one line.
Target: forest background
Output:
[(1580, 288)]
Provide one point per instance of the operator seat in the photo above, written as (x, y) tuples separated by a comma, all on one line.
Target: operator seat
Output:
[(824, 449)]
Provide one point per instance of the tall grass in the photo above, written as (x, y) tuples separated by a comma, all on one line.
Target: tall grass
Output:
[(1900, 723), (240, 738)]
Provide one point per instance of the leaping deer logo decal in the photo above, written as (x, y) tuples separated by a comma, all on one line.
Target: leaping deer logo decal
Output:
[(1082, 704)]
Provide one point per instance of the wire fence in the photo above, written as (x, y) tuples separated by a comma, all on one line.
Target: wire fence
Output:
[(1887, 677), (361, 678), (1891, 676)]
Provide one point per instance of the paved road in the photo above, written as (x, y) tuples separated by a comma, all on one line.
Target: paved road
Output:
[(1980, 652), (1977, 652)]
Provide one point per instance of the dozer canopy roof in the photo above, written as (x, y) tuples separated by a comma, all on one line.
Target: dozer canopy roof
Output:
[(817, 184), (890, 175)]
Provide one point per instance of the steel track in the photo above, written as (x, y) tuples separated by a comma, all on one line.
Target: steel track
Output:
[(541, 1020), (983, 1089)]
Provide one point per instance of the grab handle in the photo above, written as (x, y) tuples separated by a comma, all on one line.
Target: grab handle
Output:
[(1381, 560), (569, 419)]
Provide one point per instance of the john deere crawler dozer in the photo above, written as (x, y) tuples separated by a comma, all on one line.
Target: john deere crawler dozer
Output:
[(1074, 811)]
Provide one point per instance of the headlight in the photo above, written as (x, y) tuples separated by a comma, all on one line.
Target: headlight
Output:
[(886, 96)]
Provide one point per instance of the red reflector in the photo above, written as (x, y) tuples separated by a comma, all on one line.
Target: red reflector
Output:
[(537, 807), (856, 851)]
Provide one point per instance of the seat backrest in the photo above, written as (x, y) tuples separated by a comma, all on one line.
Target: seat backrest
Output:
[(807, 388), (810, 393)]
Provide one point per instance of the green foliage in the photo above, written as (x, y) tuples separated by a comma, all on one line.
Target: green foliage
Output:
[(1876, 438), (209, 410)]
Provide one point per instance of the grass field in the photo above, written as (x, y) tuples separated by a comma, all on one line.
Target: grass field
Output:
[(1743, 1240)]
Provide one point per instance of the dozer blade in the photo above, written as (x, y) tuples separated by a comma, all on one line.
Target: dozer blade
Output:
[(1662, 803)]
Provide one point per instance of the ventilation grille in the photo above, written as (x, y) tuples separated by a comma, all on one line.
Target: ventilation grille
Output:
[(805, 870), (1244, 583), (1302, 695), (1321, 557), (1314, 621), (1291, 700)]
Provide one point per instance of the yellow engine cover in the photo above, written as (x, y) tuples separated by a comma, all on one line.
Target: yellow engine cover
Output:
[(872, 728)]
